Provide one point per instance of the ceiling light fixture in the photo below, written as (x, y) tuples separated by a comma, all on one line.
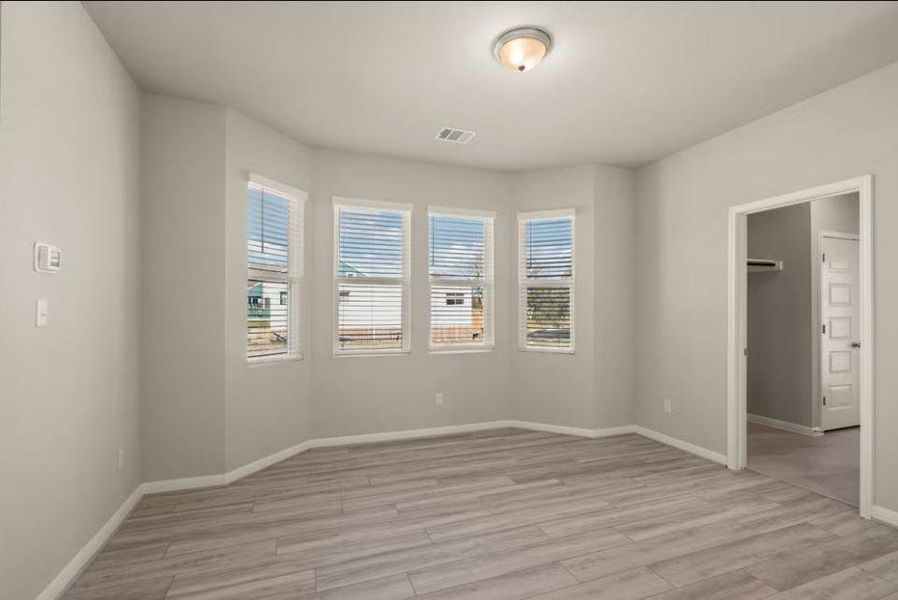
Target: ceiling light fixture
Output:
[(522, 48)]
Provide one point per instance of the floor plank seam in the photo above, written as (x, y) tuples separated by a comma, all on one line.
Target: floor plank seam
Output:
[(651, 568), (563, 566), (490, 502), (411, 583), (168, 589)]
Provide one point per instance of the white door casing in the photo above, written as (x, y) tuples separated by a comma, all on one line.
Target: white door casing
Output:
[(736, 329), (839, 329)]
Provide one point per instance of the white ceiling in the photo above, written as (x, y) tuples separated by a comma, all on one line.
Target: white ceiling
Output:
[(627, 83)]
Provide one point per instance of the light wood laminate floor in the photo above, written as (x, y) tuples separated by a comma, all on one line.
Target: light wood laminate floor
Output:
[(504, 514), (828, 464)]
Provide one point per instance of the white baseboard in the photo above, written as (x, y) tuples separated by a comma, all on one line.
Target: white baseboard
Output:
[(885, 515), (784, 425), (189, 483), (206, 481), (72, 570), (184, 483), (405, 434), (566, 430), (682, 445), (265, 462)]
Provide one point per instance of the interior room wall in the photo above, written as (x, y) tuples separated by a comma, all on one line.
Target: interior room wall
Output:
[(779, 316), (69, 123), (144, 194), (235, 413), (682, 275), (550, 387), (614, 295), (268, 405), (591, 388), (837, 213), (183, 159), (370, 394)]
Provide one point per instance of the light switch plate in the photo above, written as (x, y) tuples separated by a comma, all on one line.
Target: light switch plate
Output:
[(41, 312)]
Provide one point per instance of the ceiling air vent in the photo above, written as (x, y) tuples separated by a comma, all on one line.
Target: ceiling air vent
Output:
[(456, 136)]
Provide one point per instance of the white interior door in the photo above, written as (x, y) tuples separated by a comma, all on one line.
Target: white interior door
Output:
[(840, 316)]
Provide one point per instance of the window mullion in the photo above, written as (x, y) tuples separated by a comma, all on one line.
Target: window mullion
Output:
[(551, 283), (372, 280), (455, 281)]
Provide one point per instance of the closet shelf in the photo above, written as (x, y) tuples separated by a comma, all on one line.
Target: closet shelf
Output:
[(764, 265)]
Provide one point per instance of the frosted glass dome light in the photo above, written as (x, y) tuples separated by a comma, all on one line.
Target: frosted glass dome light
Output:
[(522, 48)]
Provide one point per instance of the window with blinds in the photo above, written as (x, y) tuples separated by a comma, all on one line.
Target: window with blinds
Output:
[(371, 277), (546, 280), (460, 264), (274, 269)]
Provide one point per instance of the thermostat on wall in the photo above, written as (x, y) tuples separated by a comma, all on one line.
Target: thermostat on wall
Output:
[(47, 258)]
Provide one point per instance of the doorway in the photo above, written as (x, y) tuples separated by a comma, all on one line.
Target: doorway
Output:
[(803, 405)]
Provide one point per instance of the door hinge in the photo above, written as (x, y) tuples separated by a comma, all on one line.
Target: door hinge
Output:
[(824, 401), (824, 329), (745, 352), (824, 257)]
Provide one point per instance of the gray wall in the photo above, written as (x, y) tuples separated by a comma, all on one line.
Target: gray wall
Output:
[(69, 126), (549, 387), (183, 244), (682, 271), (166, 272), (367, 394), (614, 294), (779, 316), (592, 388), (268, 406), (837, 213), (207, 411)]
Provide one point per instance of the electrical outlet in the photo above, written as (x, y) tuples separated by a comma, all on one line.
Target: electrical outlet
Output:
[(668, 405), (439, 397), (121, 458)]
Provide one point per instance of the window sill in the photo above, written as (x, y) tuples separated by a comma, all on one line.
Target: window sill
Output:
[(366, 353), (567, 351), (268, 360), (461, 350)]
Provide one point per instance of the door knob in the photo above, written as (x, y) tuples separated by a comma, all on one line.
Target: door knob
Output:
[(855, 344)]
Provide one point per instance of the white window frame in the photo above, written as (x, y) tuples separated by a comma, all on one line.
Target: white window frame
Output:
[(293, 278), (405, 281), (487, 282), (557, 282)]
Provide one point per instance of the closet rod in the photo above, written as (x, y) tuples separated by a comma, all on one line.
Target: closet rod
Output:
[(762, 262)]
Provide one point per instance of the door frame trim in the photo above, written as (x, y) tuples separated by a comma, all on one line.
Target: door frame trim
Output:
[(737, 418)]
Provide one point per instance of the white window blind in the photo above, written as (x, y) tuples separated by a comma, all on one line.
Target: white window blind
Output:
[(371, 277), (460, 266), (274, 269), (546, 280)]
